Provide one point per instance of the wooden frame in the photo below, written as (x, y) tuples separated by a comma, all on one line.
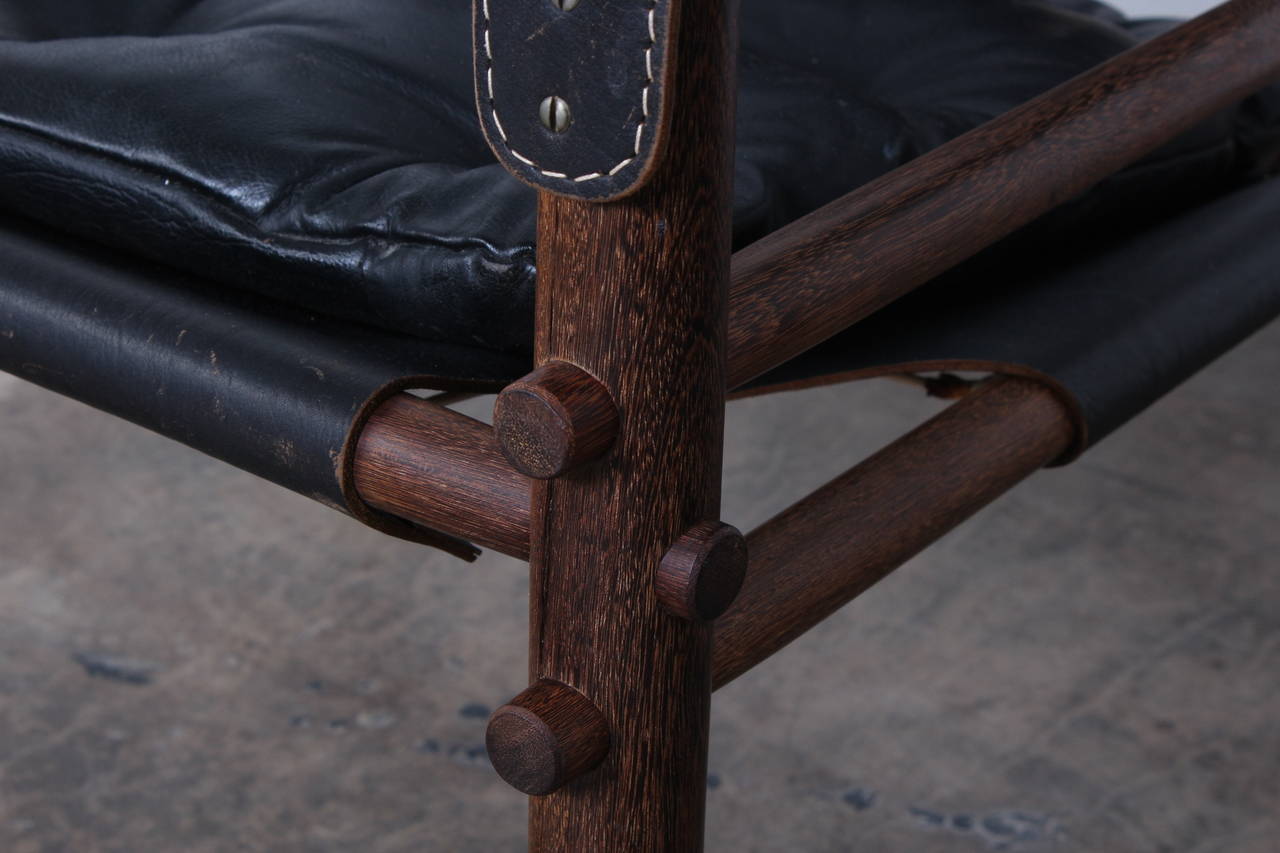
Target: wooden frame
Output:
[(863, 524), (622, 421), (602, 467), (658, 351)]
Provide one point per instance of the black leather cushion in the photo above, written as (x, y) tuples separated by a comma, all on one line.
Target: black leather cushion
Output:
[(326, 153)]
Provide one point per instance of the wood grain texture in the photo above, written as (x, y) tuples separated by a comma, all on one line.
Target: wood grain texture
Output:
[(635, 292), (423, 462), (806, 563), (804, 283), (557, 418), (824, 551), (547, 736), (702, 573)]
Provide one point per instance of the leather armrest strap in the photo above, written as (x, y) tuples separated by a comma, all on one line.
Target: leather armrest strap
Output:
[(571, 99)]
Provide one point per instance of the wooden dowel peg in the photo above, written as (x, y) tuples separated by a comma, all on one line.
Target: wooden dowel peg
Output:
[(546, 737), (554, 420), (700, 576)]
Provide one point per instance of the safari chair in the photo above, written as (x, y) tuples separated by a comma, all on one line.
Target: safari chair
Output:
[(255, 226)]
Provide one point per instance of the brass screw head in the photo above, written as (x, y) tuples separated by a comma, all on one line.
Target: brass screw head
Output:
[(555, 114)]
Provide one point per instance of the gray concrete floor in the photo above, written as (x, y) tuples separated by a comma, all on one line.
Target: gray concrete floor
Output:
[(1163, 8), (193, 660)]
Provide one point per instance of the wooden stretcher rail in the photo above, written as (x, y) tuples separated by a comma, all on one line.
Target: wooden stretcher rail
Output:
[(442, 469), (437, 467), (816, 277), (824, 551)]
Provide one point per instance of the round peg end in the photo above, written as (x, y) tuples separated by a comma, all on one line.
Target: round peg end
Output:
[(554, 420), (701, 575), (545, 738)]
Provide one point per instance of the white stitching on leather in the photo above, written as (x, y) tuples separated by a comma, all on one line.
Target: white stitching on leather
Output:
[(644, 103)]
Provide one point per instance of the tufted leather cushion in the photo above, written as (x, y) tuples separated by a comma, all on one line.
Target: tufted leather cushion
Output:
[(325, 153)]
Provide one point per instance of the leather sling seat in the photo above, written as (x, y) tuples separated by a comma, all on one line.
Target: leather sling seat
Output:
[(241, 223)]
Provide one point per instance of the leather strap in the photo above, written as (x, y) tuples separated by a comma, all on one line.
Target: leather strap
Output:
[(277, 391), (604, 61)]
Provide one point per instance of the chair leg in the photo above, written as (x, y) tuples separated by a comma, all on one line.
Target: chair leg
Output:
[(633, 293)]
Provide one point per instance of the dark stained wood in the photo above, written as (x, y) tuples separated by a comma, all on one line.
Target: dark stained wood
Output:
[(827, 549), (802, 284), (442, 469), (703, 572), (635, 292), (554, 420), (422, 462), (545, 737)]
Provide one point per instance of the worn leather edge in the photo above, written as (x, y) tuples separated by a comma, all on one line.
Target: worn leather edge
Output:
[(607, 181), (95, 361), (385, 522)]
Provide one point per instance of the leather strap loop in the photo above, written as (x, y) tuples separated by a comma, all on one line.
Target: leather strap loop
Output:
[(602, 61)]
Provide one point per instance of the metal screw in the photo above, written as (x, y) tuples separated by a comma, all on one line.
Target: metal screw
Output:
[(555, 114), (565, 5)]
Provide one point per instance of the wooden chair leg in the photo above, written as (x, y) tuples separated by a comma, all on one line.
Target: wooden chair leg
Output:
[(633, 293)]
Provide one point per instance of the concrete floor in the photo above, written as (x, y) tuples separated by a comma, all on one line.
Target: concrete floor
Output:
[(194, 660), (1163, 8)]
